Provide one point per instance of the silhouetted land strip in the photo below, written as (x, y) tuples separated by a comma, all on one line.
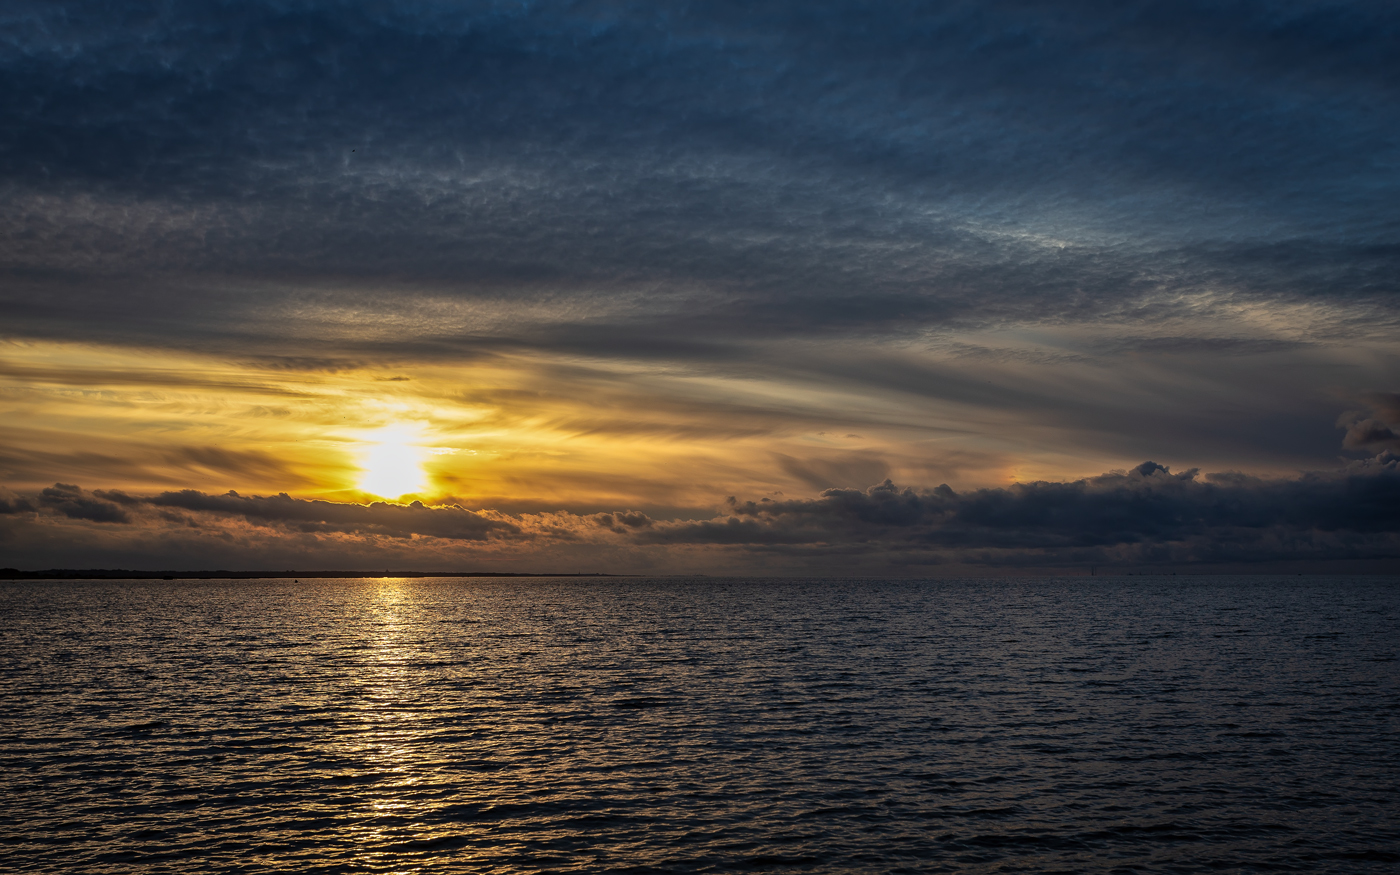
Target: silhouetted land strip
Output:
[(124, 574)]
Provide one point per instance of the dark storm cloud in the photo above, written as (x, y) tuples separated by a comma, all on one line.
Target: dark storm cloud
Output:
[(1145, 515), (393, 520), (11, 503), (281, 511), (74, 503), (1216, 517), (749, 169)]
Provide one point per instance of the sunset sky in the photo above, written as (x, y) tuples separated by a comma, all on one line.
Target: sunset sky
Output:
[(911, 288)]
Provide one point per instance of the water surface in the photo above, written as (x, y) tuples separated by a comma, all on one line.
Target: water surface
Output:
[(1087, 725)]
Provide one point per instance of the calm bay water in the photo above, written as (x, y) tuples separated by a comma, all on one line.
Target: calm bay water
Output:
[(1104, 725)]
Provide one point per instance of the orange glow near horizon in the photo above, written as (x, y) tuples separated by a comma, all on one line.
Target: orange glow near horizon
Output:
[(518, 432), (510, 431)]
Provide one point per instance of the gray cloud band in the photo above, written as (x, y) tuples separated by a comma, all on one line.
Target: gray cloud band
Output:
[(1351, 513), (940, 162)]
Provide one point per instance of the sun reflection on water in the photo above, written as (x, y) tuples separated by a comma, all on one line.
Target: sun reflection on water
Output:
[(391, 748)]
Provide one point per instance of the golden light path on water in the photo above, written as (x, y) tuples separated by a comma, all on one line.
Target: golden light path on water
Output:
[(401, 740), (391, 750)]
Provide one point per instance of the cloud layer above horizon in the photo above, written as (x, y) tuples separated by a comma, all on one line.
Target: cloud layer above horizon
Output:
[(594, 256), (1147, 517)]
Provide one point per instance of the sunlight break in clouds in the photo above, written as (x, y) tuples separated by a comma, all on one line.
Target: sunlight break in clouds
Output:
[(392, 464)]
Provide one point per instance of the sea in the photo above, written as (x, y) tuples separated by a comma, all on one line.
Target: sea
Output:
[(1135, 724)]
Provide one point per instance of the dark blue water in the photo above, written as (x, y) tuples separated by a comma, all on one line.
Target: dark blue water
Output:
[(1134, 725)]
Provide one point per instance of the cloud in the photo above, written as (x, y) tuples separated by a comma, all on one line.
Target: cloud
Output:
[(380, 518), (226, 461), (1199, 518), (842, 470), (986, 236), (1376, 429), (10, 503), (624, 523), (74, 503), (1144, 515), (675, 171)]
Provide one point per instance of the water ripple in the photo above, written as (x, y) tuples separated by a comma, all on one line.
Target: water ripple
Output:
[(1136, 725)]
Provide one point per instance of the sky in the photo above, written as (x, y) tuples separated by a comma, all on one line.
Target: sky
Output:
[(700, 287)]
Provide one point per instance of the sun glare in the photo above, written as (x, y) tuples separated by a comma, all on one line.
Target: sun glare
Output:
[(392, 463)]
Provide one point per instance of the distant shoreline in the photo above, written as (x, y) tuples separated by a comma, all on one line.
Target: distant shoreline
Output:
[(123, 574)]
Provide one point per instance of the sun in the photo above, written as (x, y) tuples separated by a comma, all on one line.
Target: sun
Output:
[(392, 463)]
